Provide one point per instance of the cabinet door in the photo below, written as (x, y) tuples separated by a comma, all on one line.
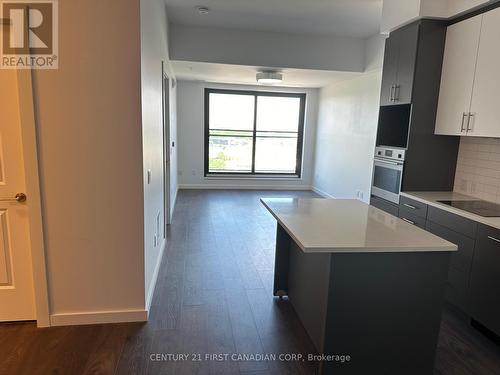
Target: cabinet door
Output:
[(485, 279), (485, 109), (408, 43), (390, 70), (384, 205), (460, 265), (457, 77)]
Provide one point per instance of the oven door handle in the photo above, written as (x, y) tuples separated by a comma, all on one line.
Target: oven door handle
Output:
[(387, 162)]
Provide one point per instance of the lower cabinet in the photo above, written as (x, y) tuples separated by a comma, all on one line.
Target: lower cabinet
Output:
[(382, 204), (411, 217), (461, 261), (474, 274), (485, 279)]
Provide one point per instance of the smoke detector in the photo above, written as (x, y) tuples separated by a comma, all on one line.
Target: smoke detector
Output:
[(202, 10)]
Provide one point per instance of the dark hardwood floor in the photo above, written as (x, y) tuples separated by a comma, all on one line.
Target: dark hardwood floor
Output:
[(213, 296)]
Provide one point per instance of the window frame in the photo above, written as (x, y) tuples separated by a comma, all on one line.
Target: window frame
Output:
[(255, 94)]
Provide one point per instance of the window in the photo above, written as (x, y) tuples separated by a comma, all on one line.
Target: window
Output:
[(253, 132)]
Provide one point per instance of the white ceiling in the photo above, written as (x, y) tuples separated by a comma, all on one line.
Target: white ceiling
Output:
[(245, 75), (354, 18)]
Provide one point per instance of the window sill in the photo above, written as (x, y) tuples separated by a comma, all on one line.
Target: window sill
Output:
[(253, 177)]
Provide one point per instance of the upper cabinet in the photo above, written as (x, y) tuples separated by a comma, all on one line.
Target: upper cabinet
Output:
[(399, 66), (457, 77), (485, 104), (469, 95)]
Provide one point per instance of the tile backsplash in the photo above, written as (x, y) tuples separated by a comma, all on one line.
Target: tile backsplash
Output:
[(478, 168)]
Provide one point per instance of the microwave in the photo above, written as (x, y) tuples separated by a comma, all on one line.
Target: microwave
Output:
[(394, 125)]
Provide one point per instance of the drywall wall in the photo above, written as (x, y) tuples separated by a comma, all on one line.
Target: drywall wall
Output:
[(88, 117), (154, 51), (190, 109), (374, 52), (460, 6), (347, 126), (396, 13), (268, 49)]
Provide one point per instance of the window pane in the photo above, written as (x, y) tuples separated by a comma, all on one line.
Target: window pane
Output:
[(276, 154), (230, 153), (231, 111), (278, 113)]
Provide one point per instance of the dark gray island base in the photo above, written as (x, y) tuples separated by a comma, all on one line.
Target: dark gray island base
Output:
[(382, 309)]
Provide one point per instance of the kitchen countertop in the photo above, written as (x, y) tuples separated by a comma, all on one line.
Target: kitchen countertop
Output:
[(349, 226), (432, 197)]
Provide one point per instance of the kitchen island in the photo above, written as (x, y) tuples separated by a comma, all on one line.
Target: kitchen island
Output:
[(366, 285)]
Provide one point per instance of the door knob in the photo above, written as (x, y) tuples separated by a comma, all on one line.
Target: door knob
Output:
[(19, 197)]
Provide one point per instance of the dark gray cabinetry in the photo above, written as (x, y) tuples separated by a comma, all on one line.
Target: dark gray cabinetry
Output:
[(413, 62), (399, 65), (413, 212), (410, 217), (416, 207), (460, 266), (462, 232), (485, 279), (384, 205)]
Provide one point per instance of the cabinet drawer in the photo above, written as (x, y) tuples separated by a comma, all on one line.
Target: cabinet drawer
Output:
[(462, 258), (485, 279), (414, 206), (411, 218), (454, 222), (384, 205)]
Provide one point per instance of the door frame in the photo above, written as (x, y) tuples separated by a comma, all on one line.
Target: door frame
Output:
[(166, 147), (32, 180)]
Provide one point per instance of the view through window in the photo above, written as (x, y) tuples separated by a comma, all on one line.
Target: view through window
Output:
[(250, 132)]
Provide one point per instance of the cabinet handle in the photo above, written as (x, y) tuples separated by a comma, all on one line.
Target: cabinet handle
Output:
[(494, 239), (411, 222), (409, 206), (469, 123), (391, 94), (396, 93), (462, 128)]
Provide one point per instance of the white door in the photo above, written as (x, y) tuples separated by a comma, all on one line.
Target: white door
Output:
[(485, 106), (166, 148), (457, 79), (16, 277)]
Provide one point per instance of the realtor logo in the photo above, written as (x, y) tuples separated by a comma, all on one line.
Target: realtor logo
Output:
[(29, 34)]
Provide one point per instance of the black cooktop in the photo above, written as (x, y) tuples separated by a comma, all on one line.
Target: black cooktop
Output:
[(478, 207)]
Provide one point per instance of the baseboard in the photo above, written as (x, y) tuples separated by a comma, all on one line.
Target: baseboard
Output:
[(152, 285), (243, 187), (324, 194), (99, 317)]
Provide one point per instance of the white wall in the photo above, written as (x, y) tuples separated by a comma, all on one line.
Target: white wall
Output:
[(374, 52), (190, 107), (267, 49), (88, 118), (154, 50), (396, 13), (347, 126)]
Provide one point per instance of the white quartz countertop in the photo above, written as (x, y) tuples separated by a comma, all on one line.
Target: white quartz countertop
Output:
[(432, 197), (344, 226)]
